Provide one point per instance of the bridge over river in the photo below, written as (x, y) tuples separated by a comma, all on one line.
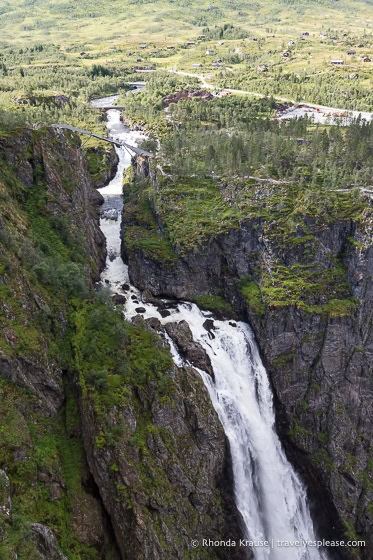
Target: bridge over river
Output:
[(118, 143)]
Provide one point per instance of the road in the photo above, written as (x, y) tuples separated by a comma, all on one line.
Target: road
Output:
[(311, 109)]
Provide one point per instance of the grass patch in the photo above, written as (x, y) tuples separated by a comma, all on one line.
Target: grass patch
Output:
[(214, 303), (251, 292)]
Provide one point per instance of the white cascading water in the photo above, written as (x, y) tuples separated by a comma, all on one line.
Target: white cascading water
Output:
[(268, 493)]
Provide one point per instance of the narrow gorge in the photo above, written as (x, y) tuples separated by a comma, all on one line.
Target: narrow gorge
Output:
[(269, 495), (185, 366)]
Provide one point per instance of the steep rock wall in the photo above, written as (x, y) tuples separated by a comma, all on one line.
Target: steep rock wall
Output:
[(302, 277), (51, 248)]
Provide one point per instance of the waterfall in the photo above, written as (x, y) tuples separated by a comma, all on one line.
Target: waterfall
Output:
[(269, 494)]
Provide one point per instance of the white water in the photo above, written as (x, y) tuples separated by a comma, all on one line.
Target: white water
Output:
[(268, 493)]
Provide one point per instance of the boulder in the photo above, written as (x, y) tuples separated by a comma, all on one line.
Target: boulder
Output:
[(192, 351)]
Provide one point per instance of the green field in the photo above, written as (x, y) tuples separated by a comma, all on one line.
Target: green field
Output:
[(124, 21), (91, 49)]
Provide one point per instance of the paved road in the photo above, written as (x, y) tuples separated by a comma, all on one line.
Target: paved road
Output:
[(331, 113)]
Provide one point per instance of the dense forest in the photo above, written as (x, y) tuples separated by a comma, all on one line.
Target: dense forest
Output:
[(241, 136), (327, 88)]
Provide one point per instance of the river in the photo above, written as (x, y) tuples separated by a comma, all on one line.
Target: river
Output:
[(268, 493)]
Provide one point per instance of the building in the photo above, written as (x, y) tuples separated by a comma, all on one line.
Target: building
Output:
[(191, 43), (216, 64), (270, 36), (366, 59), (305, 34), (197, 65), (291, 43), (286, 54), (143, 46), (210, 51), (337, 62), (262, 68), (351, 52), (112, 48)]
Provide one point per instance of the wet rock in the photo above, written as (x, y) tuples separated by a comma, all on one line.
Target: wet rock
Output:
[(107, 281), (112, 255), (148, 297), (134, 298), (192, 351), (154, 323), (118, 299), (46, 542), (110, 214), (140, 309), (125, 287), (232, 324), (171, 304), (208, 325), (164, 313)]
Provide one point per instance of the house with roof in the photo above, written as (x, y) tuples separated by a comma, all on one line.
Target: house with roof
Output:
[(337, 62)]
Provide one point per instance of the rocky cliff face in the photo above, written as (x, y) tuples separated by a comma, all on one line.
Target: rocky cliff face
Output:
[(158, 453), (49, 504), (297, 264)]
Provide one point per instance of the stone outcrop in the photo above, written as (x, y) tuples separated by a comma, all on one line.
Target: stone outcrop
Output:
[(46, 542), (102, 164), (192, 351)]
